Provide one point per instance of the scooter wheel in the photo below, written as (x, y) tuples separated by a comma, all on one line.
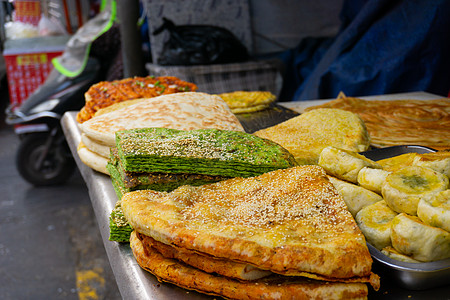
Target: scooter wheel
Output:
[(56, 168)]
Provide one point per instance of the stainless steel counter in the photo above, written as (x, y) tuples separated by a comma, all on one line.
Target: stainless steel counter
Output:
[(135, 283)]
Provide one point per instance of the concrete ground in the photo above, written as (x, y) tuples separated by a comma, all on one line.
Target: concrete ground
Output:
[(50, 244)]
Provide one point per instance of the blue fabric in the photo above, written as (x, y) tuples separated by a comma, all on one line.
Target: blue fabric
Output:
[(385, 46)]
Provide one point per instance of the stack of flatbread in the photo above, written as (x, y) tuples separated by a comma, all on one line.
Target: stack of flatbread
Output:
[(401, 122), (184, 111), (162, 158), (286, 234)]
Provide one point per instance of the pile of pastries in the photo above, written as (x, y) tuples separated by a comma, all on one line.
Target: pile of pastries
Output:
[(284, 212)]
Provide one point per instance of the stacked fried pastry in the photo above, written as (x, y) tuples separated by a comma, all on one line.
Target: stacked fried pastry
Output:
[(186, 111), (402, 204), (163, 159), (283, 234)]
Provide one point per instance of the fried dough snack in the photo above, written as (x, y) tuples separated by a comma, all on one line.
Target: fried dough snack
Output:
[(105, 93), (273, 287)]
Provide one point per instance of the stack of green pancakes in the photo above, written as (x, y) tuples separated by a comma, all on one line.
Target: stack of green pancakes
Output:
[(125, 181), (163, 159)]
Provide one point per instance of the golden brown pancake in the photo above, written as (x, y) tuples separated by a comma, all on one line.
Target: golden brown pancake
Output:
[(205, 263), (291, 221), (248, 101), (305, 136), (273, 287)]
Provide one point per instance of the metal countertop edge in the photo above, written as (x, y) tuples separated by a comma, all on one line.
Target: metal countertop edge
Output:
[(133, 282)]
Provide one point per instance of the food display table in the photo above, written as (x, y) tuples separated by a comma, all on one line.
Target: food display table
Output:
[(135, 283)]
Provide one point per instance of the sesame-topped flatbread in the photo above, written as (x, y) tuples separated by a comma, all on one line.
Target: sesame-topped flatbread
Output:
[(203, 151), (185, 111), (289, 221)]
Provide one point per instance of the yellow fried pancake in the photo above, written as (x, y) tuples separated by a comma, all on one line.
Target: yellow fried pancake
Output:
[(247, 101), (372, 179), (305, 136), (394, 254), (398, 162), (438, 161), (287, 221), (205, 263), (274, 287), (434, 209)]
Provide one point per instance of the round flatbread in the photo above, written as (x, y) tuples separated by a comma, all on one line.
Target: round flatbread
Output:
[(91, 159), (95, 146), (184, 111)]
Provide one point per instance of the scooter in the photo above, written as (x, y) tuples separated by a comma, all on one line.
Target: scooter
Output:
[(43, 156)]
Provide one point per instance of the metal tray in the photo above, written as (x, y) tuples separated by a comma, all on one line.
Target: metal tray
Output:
[(413, 276), (136, 283), (270, 116)]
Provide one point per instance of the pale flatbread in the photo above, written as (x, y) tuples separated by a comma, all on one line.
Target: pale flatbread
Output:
[(117, 106), (276, 287), (91, 159), (185, 111), (95, 146), (290, 221)]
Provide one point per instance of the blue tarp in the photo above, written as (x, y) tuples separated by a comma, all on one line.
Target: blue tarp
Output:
[(384, 46)]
